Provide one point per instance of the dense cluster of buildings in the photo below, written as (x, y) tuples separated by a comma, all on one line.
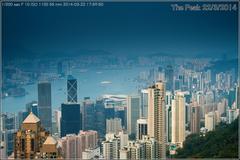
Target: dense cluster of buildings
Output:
[(144, 125)]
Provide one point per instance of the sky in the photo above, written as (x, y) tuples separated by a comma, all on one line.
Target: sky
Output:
[(118, 28)]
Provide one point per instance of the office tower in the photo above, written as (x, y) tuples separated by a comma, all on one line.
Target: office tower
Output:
[(144, 103), (238, 96), (109, 113), (169, 78), (195, 118), (156, 116), (73, 145), (133, 113), (44, 105), (60, 69), (100, 118), (160, 76), (178, 119), (168, 120), (210, 121), (113, 125), (123, 138), (57, 117), (88, 113), (29, 138), (32, 107), (71, 119), (71, 89), (111, 147), (120, 113), (231, 97), (141, 128), (20, 117), (9, 128)]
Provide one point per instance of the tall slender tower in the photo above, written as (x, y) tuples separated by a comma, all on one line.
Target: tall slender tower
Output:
[(156, 117), (195, 118), (71, 89), (178, 119), (133, 113), (44, 104)]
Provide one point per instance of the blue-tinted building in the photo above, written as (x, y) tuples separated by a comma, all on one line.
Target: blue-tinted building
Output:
[(71, 120)]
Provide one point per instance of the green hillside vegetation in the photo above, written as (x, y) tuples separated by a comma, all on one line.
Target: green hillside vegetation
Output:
[(221, 143)]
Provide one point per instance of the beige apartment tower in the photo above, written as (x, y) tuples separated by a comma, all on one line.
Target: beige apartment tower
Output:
[(156, 117), (178, 119)]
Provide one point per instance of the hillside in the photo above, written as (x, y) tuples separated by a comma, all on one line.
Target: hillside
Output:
[(221, 143)]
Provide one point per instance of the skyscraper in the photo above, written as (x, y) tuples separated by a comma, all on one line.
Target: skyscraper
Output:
[(195, 118), (156, 117), (141, 128), (44, 105), (71, 89), (133, 113), (100, 118), (178, 119), (169, 78), (238, 96), (88, 114), (210, 121), (113, 125), (71, 119), (144, 103)]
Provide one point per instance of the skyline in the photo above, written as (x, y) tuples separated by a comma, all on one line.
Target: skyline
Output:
[(119, 29)]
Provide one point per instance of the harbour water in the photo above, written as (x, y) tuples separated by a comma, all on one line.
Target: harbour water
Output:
[(120, 81)]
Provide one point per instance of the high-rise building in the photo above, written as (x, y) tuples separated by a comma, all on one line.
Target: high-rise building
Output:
[(168, 116), (144, 103), (178, 119), (156, 116), (88, 113), (44, 105), (71, 89), (71, 119), (141, 128), (113, 125), (32, 107), (210, 121), (33, 141), (169, 78), (232, 114), (133, 113), (73, 145), (60, 69), (141, 149), (195, 118), (238, 96), (9, 128), (123, 138), (57, 117), (111, 147), (100, 118)]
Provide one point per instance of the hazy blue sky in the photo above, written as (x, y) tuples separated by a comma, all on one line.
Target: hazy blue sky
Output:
[(118, 28)]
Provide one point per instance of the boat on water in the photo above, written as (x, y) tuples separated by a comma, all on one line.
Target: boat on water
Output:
[(106, 82)]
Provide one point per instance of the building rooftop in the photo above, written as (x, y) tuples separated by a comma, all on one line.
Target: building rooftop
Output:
[(31, 118), (50, 140)]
